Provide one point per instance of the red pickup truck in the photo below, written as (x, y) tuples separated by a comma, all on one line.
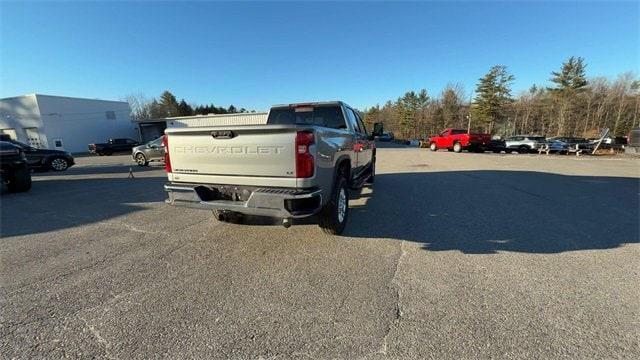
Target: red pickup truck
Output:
[(458, 140)]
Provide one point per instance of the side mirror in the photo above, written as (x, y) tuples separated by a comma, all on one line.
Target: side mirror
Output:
[(377, 129)]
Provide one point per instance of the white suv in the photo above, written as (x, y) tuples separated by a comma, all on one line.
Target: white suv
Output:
[(524, 143)]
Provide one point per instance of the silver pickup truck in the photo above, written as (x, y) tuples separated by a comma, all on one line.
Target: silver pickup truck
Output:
[(302, 162)]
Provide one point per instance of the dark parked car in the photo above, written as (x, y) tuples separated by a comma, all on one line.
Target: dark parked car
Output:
[(556, 146), (385, 137), (497, 146), (45, 159), (113, 146), (574, 142), (570, 140), (151, 151), (14, 170)]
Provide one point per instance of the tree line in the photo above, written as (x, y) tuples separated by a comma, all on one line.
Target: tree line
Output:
[(573, 105), (167, 105)]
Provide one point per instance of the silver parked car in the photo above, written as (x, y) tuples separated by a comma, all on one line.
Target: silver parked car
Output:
[(151, 151), (524, 143)]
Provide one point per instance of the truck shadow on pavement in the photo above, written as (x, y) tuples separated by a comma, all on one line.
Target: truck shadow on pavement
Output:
[(485, 212), (59, 202), (474, 212)]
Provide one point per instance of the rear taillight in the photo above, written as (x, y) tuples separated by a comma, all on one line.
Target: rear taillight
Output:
[(304, 159), (167, 159)]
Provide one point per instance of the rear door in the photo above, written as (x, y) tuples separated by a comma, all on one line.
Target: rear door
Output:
[(31, 153), (118, 144), (359, 143), (514, 141), (156, 149), (363, 138)]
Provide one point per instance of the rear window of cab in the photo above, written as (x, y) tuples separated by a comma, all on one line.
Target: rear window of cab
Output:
[(327, 116)]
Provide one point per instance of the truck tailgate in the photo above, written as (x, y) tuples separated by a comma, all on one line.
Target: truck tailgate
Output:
[(247, 151)]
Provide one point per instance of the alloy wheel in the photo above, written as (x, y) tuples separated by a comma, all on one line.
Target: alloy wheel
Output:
[(342, 205), (59, 164), (140, 159)]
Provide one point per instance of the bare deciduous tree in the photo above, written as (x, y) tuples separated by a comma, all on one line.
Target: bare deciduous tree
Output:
[(577, 106)]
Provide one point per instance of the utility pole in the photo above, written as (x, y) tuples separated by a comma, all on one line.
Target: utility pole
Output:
[(469, 115)]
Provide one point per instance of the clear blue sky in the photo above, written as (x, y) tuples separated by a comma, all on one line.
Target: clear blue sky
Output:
[(257, 54)]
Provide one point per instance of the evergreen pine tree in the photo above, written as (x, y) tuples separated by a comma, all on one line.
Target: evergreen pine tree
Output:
[(571, 78), (168, 104), (408, 110), (569, 82), (184, 109), (493, 94)]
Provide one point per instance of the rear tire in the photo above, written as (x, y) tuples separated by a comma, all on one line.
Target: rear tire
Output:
[(218, 214), (141, 160), (334, 215), (457, 147), (523, 150), (20, 180), (433, 147)]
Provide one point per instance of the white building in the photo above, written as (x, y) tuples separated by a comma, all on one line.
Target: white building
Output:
[(65, 123)]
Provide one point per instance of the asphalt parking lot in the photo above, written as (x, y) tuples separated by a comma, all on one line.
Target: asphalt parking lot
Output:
[(447, 256)]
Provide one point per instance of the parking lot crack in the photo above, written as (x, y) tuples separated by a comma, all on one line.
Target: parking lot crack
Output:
[(136, 229), (343, 302), (101, 340), (173, 250), (397, 291)]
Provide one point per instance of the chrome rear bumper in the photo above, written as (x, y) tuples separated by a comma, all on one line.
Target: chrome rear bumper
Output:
[(273, 202)]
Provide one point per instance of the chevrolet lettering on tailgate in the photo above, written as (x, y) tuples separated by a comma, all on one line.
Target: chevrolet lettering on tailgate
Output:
[(231, 150)]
